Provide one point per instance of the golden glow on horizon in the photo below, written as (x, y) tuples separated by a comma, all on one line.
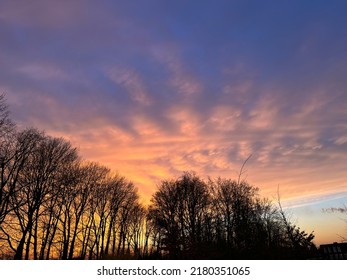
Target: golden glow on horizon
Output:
[(155, 156), (159, 156)]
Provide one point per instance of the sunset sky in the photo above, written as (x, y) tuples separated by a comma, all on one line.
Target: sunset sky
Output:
[(154, 88)]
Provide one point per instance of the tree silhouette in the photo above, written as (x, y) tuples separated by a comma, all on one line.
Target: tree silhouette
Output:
[(42, 176), (179, 211), (6, 124), (53, 204), (222, 218), (12, 155)]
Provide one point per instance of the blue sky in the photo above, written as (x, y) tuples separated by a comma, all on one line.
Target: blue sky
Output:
[(154, 88)]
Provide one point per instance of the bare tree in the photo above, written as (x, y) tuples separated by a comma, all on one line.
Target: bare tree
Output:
[(234, 203), (297, 242), (12, 155), (179, 208), (136, 230), (94, 176), (38, 182), (6, 124), (14, 158)]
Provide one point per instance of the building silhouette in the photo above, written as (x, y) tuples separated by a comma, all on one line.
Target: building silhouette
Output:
[(334, 251)]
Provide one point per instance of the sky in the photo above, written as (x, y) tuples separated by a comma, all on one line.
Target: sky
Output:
[(154, 88)]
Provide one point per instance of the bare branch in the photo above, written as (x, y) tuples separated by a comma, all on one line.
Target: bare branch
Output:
[(241, 170)]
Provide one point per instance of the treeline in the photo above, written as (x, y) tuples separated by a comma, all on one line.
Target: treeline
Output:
[(54, 205), (222, 219)]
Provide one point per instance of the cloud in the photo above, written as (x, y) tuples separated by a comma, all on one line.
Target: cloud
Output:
[(43, 72), (182, 80), (152, 95), (341, 140), (132, 82)]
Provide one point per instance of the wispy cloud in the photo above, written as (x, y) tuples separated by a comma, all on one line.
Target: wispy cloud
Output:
[(43, 72), (181, 79), (132, 82)]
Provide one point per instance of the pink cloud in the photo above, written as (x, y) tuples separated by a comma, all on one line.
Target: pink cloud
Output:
[(43, 72), (132, 82), (181, 79)]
